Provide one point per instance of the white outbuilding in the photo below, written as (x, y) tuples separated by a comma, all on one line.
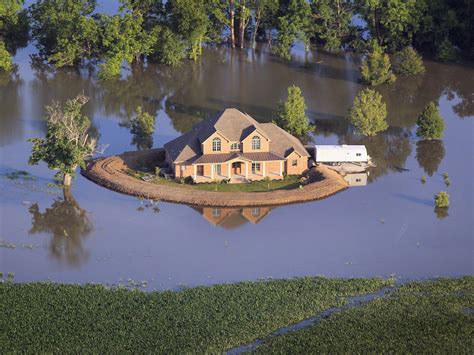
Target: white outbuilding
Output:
[(340, 154)]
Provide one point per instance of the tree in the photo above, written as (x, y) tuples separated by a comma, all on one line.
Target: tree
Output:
[(169, 49), (441, 199), (368, 113), (68, 140), (243, 15), (376, 68), (294, 24), (332, 21), (262, 9), (409, 62), (430, 123), (65, 30), (292, 113), (6, 63), (393, 23), (142, 128), (122, 37)]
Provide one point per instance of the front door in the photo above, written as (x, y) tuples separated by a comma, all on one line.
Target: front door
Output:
[(237, 168)]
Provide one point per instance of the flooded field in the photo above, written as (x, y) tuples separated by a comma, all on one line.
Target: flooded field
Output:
[(385, 224)]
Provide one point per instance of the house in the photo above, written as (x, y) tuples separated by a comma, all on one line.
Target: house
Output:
[(232, 145), (340, 153)]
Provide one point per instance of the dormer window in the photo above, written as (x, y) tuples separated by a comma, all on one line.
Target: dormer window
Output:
[(216, 145), (235, 146), (255, 143)]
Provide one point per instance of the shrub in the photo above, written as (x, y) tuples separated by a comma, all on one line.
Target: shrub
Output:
[(292, 113), (446, 51), (409, 62), (111, 69), (376, 68), (423, 179), (368, 113), (6, 63), (430, 123), (441, 200)]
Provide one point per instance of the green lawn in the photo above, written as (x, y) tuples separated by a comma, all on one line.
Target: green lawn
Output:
[(37, 318), (288, 183), (420, 317)]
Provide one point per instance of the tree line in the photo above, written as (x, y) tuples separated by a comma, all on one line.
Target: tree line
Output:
[(71, 32)]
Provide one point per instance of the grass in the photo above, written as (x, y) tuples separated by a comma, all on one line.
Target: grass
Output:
[(420, 317), (38, 318), (288, 183)]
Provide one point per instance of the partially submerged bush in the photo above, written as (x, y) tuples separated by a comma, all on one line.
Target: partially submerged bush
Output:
[(430, 123), (409, 62), (441, 200), (368, 113), (6, 63), (376, 68)]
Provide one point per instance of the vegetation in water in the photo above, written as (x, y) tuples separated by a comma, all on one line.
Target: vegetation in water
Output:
[(376, 68), (409, 62), (429, 154), (419, 317), (430, 124), (142, 128), (292, 113), (441, 200), (423, 179), (368, 113), (201, 319), (68, 139)]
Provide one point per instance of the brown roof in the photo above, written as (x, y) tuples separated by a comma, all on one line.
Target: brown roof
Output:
[(221, 158), (234, 126)]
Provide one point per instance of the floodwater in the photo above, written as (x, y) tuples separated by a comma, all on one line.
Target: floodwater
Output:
[(386, 224)]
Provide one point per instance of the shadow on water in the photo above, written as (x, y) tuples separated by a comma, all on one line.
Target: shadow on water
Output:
[(67, 224), (413, 199)]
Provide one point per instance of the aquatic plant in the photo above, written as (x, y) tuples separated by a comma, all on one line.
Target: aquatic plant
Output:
[(423, 179)]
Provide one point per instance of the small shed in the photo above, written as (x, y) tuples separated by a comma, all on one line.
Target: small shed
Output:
[(340, 153)]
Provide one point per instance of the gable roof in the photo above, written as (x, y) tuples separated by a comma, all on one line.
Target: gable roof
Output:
[(234, 126)]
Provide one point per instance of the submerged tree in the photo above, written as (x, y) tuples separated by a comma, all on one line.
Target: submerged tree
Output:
[(65, 30), (368, 113), (376, 68), (6, 62), (430, 123), (262, 11), (68, 139), (68, 224), (441, 199), (295, 24), (292, 113), (429, 155), (142, 128), (409, 62), (13, 31)]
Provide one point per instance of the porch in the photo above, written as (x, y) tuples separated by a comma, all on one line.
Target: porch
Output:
[(238, 171)]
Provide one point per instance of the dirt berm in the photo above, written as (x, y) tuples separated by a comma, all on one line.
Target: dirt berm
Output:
[(111, 172)]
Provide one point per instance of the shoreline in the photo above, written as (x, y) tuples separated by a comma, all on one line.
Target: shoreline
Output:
[(111, 172)]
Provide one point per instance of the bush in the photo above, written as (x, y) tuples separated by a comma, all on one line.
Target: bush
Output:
[(376, 68), (423, 179), (369, 112), (430, 123), (111, 69), (441, 200), (409, 62), (446, 51), (292, 113)]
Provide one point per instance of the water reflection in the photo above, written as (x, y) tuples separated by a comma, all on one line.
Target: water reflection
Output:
[(429, 154), (232, 218), (11, 127), (68, 224), (357, 179)]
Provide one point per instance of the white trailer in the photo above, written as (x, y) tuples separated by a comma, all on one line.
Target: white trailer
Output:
[(340, 154)]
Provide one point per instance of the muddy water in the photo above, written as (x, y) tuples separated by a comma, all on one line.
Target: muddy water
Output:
[(386, 227)]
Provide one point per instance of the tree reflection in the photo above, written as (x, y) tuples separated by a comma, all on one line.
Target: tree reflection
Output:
[(10, 108), (441, 213), (68, 224), (429, 154)]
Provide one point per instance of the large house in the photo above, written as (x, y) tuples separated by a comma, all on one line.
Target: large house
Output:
[(232, 145)]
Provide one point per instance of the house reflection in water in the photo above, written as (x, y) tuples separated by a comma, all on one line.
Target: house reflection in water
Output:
[(357, 179), (231, 218)]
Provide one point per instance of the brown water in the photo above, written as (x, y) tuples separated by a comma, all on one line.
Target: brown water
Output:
[(387, 227)]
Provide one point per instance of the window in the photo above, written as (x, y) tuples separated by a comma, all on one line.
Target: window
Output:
[(235, 146), (358, 180), (255, 211), (255, 167), (200, 170), (216, 145), (294, 162), (216, 212), (255, 143), (358, 154), (217, 169)]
